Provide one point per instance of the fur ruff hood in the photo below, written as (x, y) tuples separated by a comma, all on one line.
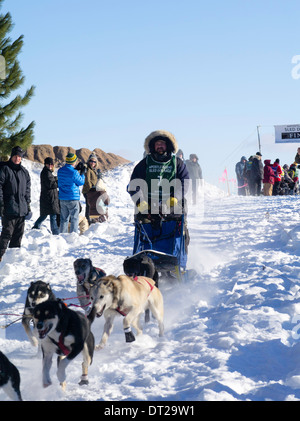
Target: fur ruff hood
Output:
[(164, 135)]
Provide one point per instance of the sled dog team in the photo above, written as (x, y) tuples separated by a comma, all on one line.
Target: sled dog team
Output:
[(58, 329)]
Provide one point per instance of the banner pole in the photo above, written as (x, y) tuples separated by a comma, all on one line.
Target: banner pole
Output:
[(259, 146)]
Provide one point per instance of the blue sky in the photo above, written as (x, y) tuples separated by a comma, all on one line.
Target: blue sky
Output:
[(107, 73)]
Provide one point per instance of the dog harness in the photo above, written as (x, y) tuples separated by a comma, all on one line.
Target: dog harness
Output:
[(60, 344), (99, 273), (136, 279), (121, 312)]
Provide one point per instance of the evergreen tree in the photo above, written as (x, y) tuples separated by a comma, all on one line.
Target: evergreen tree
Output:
[(11, 79)]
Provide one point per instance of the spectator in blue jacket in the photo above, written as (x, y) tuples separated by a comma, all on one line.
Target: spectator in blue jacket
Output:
[(69, 180)]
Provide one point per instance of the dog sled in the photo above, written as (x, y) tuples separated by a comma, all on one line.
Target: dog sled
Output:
[(164, 239)]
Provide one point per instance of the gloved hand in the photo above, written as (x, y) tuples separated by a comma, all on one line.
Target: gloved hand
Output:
[(29, 214), (99, 174), (171, 202), (81, 168), (142, 206)]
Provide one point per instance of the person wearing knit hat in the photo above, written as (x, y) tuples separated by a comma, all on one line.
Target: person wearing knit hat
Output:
[(69, 180), (71, 158), (48, 161), (91, 178), (17, 150), (15, 184), (49, 202), (93, 157)]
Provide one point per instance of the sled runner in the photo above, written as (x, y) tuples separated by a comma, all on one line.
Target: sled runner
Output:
[(164, 240)]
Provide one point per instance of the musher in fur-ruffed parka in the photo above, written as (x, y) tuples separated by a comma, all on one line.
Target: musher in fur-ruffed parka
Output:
[(159, 164)]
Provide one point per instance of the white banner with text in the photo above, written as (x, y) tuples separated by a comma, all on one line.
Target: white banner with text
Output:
[(287, 134)]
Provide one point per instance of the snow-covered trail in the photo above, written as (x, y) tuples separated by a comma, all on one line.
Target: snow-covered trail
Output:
[(250, 258), (231, 333)]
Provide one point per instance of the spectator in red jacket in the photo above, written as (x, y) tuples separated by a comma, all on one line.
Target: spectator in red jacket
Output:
[(277, 174), (268, 180)]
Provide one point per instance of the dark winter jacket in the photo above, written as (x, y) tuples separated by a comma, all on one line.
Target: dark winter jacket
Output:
[(194, 169), (15, 186), (49, 203), (140, 170), (268, 172), (257, 168)]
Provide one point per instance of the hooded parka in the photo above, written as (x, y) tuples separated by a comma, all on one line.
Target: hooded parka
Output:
[(268, 172), (166, 166), (193, 167)]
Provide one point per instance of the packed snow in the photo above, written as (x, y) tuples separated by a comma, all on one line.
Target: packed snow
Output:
[(231, 333)]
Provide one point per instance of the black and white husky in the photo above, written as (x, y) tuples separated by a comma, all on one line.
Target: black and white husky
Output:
[(9, 378), (66, 333), (37, 293)]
